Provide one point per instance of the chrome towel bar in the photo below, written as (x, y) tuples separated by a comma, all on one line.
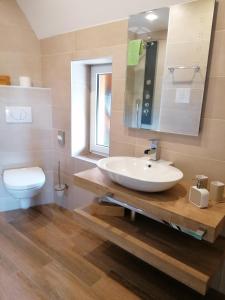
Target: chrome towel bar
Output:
[(172, 69)]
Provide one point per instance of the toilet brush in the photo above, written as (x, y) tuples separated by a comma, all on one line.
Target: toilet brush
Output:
[(60, 187), (59, 175)]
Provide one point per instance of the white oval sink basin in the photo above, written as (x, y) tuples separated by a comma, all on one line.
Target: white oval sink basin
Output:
[(140, 174)]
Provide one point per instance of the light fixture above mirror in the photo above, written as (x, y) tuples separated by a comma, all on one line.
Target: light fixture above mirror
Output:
[(150, 16)]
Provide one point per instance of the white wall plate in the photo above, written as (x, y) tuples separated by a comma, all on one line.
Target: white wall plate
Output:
[(18, 114)]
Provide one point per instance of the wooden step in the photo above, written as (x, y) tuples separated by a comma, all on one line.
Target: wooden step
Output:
[(185, 259)]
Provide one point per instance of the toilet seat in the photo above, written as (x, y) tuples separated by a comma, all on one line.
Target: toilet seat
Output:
[(24, 178)]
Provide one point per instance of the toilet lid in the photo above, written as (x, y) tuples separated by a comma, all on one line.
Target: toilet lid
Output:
[(24, 178)]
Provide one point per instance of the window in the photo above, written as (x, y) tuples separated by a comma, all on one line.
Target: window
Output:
[(91, 92), (101, 97)]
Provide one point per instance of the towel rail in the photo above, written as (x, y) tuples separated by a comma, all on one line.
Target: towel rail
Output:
[(172, 69)]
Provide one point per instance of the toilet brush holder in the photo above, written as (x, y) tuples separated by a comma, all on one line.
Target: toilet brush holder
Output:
[(60, 190), (60, 187)]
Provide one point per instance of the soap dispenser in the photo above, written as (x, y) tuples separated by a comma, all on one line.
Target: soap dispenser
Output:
[(199, 195)]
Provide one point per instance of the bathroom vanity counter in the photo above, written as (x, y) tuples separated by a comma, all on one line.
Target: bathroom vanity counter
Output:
[(171, 206), (192, 262)]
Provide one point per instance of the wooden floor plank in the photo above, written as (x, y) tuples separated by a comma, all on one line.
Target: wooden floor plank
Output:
[(58, 283), (17, 287), (44, 254), (21, 251), (60, 247), (61, 250), (118, 292)]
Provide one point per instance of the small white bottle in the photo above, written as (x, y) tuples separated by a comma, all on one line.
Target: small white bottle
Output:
[(199, 195)]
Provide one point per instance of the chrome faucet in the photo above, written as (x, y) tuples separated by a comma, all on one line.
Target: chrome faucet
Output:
[(153, 151)]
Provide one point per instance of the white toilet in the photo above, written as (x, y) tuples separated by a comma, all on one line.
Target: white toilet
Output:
[(24, 184)]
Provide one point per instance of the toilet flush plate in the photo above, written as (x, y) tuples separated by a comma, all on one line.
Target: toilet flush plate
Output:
[(18, 114)]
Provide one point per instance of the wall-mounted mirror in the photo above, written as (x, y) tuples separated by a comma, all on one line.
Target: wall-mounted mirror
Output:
[(168, 52)]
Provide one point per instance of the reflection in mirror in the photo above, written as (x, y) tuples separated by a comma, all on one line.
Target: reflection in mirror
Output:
[(147, 35), (166, 69)]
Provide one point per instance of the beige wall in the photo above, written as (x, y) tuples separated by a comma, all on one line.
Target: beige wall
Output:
[(193, 155), (19, 47), (57, 52), (23, 144)]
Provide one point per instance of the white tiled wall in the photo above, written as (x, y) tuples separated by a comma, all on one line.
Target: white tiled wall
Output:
[(23, 145)]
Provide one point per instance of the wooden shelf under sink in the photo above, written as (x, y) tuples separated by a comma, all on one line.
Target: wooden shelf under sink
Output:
[(171, 206), (185, 259)]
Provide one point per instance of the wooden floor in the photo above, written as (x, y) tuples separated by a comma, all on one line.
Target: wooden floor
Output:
[(44, 254)]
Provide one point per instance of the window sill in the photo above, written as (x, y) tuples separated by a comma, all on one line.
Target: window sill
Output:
[(89, 157)]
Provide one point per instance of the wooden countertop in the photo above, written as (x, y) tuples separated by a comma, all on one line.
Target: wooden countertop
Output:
[(171, 206)]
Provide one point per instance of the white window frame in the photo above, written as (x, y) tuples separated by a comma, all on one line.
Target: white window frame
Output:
[(95, 71)]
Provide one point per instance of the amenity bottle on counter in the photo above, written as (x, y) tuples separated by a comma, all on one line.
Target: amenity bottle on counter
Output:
[(199, 195)]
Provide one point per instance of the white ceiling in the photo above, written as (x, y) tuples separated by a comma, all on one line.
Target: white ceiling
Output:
[(52, 17)]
